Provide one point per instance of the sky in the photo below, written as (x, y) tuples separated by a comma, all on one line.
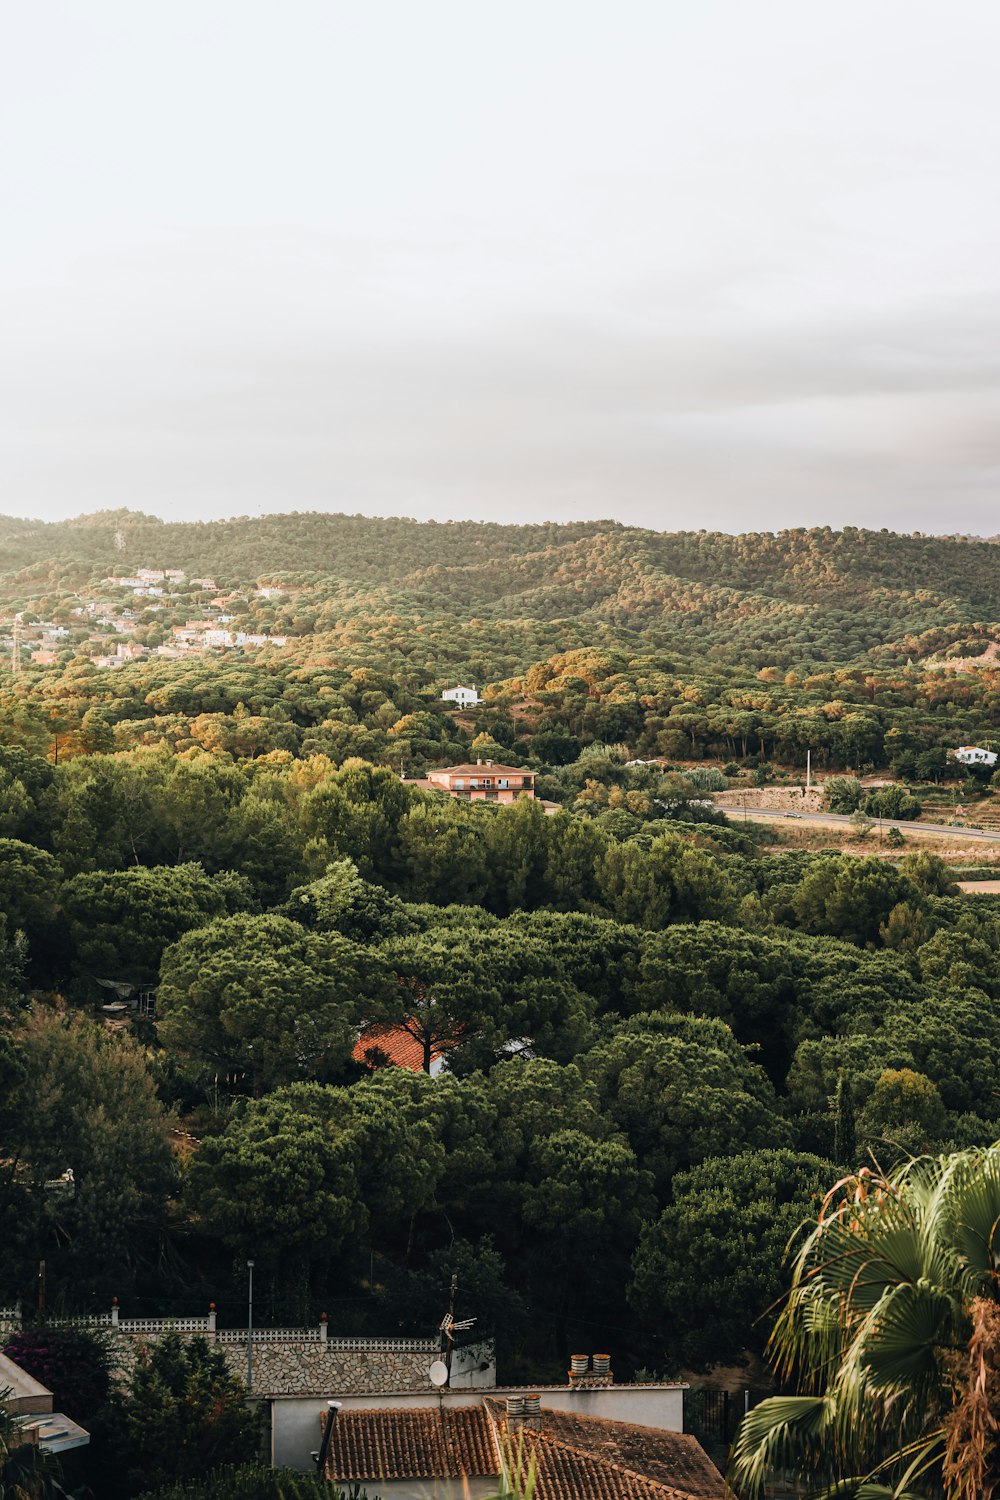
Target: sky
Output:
[(720, 263)]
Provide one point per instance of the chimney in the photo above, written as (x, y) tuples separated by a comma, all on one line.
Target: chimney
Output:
[(478, 760), (533, 1412), (489, 762), (515, 1410), (584, 1378)]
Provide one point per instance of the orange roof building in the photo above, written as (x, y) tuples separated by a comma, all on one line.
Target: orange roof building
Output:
[(483, 782)]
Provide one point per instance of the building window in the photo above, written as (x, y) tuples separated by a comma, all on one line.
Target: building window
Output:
[(491, 796), (458, 783)]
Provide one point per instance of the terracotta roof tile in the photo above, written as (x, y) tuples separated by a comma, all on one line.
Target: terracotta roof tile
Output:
[(469, 769), (609, 1460), (577, 1458), (378, 1045), (411, 1443)]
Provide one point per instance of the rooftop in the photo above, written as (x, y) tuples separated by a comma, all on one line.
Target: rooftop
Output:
[(480, 768), (575, 1456), (393, 1044), (610, 1460), (421, 1443)]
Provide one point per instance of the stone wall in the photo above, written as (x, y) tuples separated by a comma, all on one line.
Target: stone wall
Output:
[(282, 1367), (311, 1369), (291, 1369)]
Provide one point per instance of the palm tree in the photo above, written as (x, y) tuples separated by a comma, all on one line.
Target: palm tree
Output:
[(890, 1337)]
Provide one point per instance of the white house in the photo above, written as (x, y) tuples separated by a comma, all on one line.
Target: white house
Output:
[(972, 755), (465, 697)]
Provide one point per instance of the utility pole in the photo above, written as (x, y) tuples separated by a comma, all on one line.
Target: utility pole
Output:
[(15, 656), (808, 770), (41, 1287), (250, 1331)]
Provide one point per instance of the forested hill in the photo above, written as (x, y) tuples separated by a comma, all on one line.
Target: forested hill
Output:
[(513, 594), (362, 548)]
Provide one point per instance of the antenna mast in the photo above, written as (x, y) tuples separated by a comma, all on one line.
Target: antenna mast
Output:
[(15, 655), (120, 540)]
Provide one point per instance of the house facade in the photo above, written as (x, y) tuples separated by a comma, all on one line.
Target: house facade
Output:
[(483, 782), (463, 697), (974, 755)]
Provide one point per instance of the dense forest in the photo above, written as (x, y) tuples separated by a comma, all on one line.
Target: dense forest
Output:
[(870, 649), (662, 1039)]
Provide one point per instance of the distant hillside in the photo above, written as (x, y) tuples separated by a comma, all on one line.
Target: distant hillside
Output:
[(505, 595), (362, 548)]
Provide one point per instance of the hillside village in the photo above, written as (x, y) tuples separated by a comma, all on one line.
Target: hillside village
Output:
[(127, 618)]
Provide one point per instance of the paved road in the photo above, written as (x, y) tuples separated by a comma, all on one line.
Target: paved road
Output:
[(768, 815)]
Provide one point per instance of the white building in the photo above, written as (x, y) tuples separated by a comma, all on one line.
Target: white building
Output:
[(973, 755), (465, 697)]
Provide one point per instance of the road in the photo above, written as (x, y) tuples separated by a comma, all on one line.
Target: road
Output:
[(830, 820)]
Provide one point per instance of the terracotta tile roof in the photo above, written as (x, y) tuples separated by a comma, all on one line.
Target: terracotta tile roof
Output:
[(413, 1443), (481, 770), (609, 1460), (577, 1458), (379, 1045)]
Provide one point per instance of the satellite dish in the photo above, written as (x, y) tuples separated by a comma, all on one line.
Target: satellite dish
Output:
[(439, 1373)]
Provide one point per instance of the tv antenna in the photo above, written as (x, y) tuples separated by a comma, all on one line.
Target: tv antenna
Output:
[(448, 1327)]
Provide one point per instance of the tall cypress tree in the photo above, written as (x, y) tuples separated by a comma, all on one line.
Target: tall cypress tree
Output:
[(844, 1133)]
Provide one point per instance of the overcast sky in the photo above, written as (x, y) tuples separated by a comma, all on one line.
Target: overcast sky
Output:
[(722, 263)]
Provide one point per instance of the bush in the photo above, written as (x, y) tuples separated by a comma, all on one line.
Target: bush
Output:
[(707, 779), (891, 802), (73, 1363), (843, 794)]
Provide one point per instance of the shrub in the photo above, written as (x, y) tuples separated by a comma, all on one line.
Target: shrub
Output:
[(707, 779), (73, 1362)]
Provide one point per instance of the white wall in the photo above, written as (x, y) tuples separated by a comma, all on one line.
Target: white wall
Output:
[(434, 1489)]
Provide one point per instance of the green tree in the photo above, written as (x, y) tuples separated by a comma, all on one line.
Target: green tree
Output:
[(262, 998), (904, 1111), (121, 921), (845, 1142), (80, 1101), (310, 1171), (848, 898), (681, 1089), (708, 1272), (184, 1414)]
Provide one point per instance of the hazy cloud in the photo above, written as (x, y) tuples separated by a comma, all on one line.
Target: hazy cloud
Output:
[(682, 264)]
